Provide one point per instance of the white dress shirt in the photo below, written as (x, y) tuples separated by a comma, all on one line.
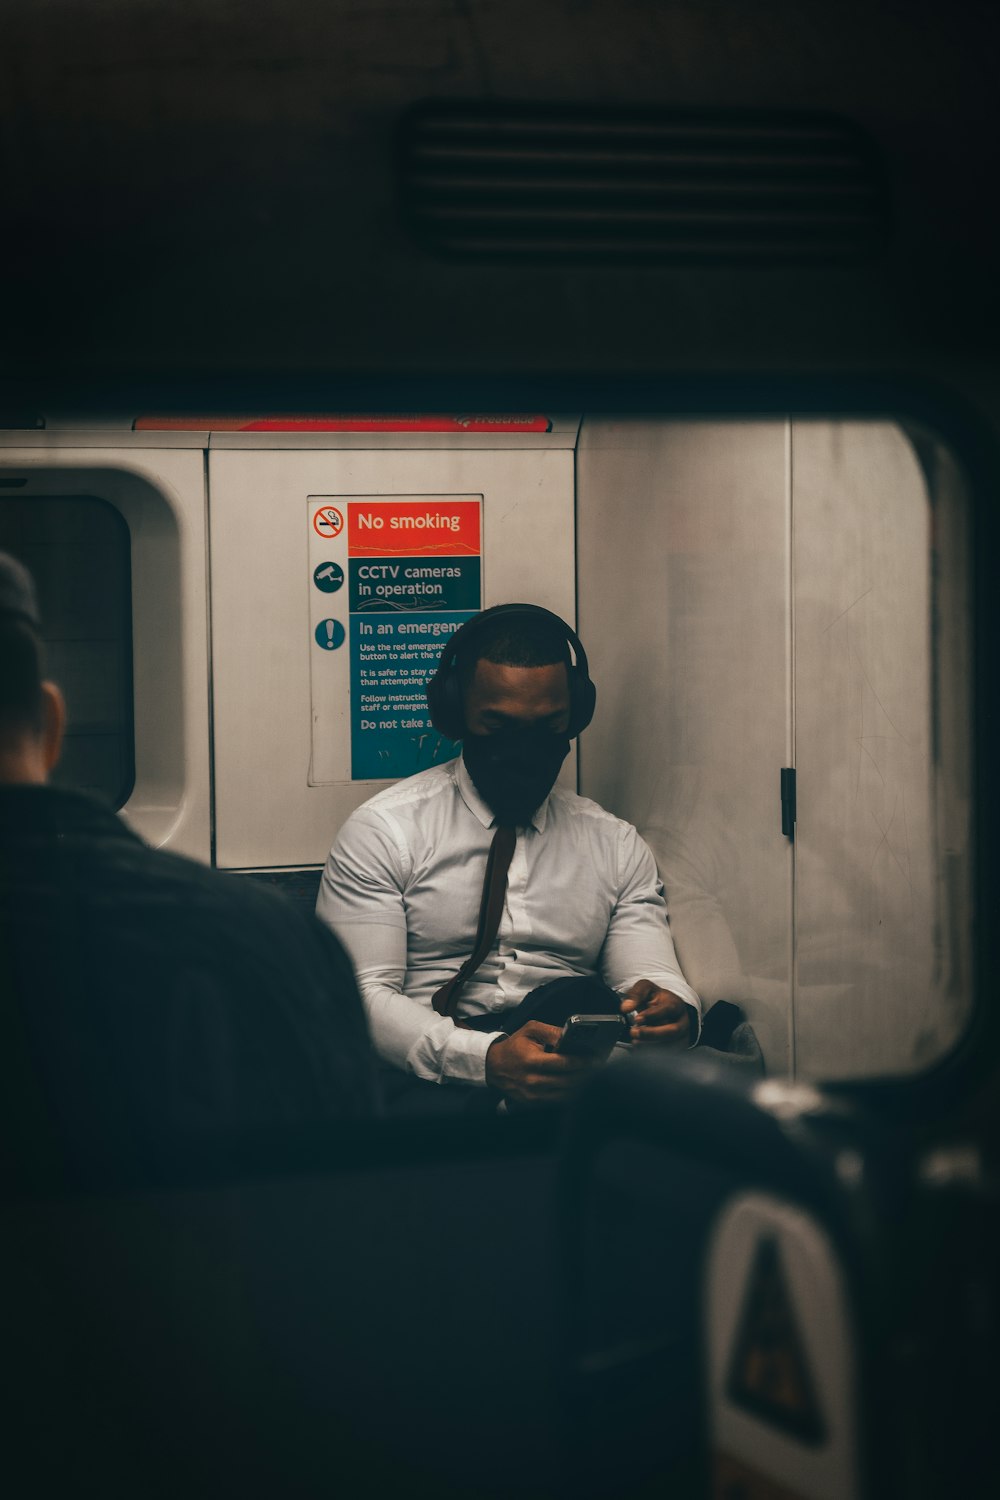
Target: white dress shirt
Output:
[(402, 888)]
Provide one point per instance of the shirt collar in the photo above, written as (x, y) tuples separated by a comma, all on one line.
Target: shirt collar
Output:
[(478, 807)]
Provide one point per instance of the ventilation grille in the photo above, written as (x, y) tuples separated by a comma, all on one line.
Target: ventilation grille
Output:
[(504, 181)]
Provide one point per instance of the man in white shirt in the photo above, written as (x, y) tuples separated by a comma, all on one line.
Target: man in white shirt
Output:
[(403, 884)]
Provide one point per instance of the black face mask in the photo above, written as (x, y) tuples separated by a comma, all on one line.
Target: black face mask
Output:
[(514, 770)]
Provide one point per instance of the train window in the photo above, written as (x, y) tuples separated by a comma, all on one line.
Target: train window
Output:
[(77, 548), (797, 597)]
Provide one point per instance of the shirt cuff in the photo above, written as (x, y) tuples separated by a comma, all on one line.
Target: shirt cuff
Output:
[(697, 1023), (464, 1058)]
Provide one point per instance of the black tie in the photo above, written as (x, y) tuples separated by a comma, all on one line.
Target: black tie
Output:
[(494, 889)]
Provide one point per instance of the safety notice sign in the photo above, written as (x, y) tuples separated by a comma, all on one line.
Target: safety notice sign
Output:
[(413, 567), (781, 1361), (769, 1373)]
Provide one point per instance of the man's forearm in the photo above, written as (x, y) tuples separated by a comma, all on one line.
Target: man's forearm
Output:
[(413, 1037)]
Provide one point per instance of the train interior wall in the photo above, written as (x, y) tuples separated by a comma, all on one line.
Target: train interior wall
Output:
[(283, 718), (759, 595), (753, 595), (765, 594)]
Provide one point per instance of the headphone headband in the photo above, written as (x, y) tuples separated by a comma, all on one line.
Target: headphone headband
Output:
[(444, 696), (456, 645)]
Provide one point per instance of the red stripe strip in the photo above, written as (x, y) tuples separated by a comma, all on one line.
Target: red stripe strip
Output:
[(343, 424)]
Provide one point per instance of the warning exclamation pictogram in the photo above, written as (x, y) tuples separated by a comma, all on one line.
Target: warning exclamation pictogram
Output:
[(769, 1374)]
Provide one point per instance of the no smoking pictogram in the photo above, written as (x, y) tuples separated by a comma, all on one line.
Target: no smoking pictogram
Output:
[(328, 521)]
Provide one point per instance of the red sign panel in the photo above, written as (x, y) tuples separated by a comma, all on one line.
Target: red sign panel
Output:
[(413, 528)]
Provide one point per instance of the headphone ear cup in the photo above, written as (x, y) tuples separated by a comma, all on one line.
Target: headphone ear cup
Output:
[(583, 700), (444, 699)]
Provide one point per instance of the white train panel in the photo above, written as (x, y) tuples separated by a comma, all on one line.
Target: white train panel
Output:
[(291, 743)]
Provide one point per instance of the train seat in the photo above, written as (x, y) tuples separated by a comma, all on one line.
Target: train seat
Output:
[(727, 1035)]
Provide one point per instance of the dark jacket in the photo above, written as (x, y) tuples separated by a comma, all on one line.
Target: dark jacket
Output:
[(148, 1003)]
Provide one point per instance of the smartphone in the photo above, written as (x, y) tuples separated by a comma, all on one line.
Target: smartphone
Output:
[(591, 1036)]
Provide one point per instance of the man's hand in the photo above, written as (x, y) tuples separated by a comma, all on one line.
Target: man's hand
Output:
[(660, 1016), (525, 1073)]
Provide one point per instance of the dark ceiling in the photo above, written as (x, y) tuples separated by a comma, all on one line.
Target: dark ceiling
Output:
[(201, 194)]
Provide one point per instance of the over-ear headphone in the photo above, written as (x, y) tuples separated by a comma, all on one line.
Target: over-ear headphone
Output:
[(444, 691)]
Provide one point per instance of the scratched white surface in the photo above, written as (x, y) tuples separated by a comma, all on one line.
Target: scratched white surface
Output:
[(683, 608), (848, 952), (870, 981)]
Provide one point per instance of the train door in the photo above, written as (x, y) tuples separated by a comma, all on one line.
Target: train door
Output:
[(781, 636)]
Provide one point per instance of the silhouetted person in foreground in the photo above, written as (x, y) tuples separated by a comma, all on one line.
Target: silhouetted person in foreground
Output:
[(146, 1003)]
